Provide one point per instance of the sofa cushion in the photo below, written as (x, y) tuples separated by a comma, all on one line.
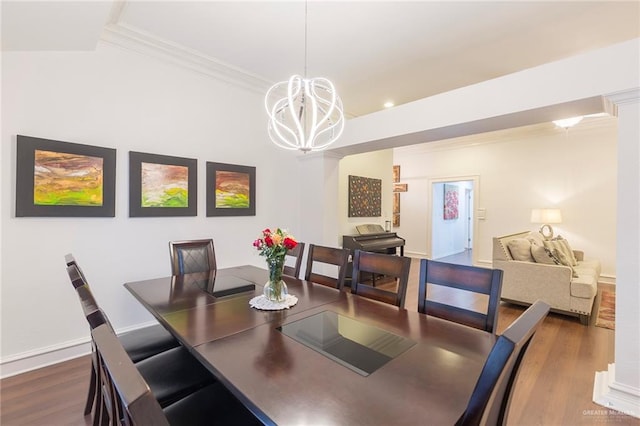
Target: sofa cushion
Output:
[(588, 265), (543, 255), (520, 249), (584, 286)]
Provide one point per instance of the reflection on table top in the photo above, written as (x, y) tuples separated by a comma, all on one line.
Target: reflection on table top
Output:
[(196, 317), (287, 382)]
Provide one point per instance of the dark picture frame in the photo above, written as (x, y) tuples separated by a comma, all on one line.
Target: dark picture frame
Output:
[(231, 190), (365, 197), (162, 185), (64, 179)]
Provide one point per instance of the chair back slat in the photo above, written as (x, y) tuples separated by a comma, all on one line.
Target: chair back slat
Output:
[(189, 256), (463, 277), (295, 256), (456, 314), (331, 256), (396, 267), (131, 400), (491, 397), (460, 277)]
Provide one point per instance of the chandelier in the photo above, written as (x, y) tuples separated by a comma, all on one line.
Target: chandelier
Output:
[(305, 114)]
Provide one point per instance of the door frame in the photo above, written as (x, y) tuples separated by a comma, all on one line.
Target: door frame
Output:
[(475, 179)]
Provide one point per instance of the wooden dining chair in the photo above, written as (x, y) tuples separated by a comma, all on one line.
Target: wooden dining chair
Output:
[(141, 343), (396, 267), (327, 256), (491, 397), (171, 374), (190, 256), (128, 399), (472, 279), (294, 261)]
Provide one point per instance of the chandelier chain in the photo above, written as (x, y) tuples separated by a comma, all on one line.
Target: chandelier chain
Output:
[(306, 14)]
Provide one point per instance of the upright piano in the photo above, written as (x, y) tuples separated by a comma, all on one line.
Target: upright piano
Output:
[(372, 238)]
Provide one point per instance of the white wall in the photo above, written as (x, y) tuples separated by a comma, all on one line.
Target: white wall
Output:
[(520, 169), (115, 98), (375, 165)]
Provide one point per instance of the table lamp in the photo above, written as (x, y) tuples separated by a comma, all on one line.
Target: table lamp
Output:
[(546, 216)]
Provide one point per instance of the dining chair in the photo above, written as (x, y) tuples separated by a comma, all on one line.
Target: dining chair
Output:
[(294, 256), (396, 267), (327, 256), (141, 343), (171, 374), (470, 279), (189, 256), (128, 400), (491, 397)]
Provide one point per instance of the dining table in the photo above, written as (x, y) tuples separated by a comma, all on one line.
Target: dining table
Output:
[(333, 358)]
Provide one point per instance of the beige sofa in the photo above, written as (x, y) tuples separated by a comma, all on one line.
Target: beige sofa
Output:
[(568, 289)]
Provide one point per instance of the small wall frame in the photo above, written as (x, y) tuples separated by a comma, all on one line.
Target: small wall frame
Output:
[(162, 185), (231, 190), (64, 179)]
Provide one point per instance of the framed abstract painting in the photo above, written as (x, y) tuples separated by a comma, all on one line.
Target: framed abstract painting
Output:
[(161, 185), (64, 179), (450, 202), (365, 197), (231, 190)]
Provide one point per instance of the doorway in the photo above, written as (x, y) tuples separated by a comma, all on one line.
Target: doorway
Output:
[(451, 219)]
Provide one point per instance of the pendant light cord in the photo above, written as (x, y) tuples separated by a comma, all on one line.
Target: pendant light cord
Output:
[(305, 38)]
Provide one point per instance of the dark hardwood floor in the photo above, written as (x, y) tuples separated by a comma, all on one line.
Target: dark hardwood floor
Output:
[(554, 388)]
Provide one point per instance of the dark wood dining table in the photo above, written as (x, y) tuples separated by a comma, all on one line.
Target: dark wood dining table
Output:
[(283, 381)]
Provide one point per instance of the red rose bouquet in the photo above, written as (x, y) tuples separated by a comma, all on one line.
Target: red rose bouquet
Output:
[(274, 245)]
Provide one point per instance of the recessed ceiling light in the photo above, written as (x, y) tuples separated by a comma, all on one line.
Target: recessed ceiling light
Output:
[(388, 104), (568, 122)]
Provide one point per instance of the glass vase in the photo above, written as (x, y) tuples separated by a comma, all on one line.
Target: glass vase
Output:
[(275, 289)]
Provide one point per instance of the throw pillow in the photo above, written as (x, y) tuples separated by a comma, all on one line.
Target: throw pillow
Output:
[(561, 247), (520, 249), (565, 261), (536, 238), (567, 250), (544, 255)]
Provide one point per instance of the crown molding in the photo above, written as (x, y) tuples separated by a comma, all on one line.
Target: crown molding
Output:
[(623, 98), (144, 43)]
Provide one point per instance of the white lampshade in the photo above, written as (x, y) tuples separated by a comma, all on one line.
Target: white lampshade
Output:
[(546, 216)]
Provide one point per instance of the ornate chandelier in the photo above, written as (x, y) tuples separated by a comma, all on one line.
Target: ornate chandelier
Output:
[(305, 114)]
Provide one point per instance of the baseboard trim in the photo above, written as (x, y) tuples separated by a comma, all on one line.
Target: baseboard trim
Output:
[(43, 357), (607, 279), (54, 354), (615, 396)]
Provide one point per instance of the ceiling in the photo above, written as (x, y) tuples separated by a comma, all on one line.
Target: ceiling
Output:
[(374, 51)]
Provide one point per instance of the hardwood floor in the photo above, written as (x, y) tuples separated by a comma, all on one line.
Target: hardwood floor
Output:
[(51, 396), (554, 388)]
